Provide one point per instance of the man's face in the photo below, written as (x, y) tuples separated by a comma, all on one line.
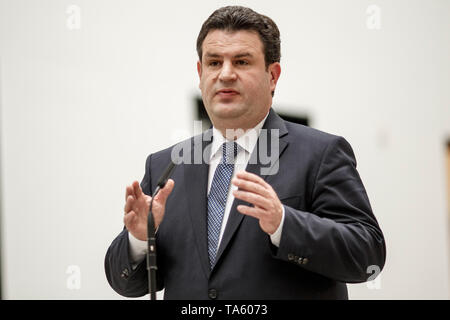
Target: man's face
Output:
[(235, 83)]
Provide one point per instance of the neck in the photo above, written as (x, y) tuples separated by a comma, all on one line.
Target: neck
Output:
[(234, 131)]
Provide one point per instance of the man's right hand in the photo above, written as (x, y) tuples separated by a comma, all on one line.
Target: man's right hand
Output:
[(137, 205)]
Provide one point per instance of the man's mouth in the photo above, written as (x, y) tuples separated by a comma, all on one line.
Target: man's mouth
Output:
[(227, 92)]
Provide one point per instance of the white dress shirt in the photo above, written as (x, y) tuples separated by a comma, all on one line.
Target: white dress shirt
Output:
[(246, 144)]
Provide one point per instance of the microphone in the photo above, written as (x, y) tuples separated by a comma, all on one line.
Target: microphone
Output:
[(151, 239), (164, 177)]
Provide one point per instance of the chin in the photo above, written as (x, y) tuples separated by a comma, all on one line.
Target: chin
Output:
[(227, 111)]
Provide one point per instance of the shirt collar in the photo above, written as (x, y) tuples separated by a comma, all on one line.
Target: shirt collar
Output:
[(247, 141)]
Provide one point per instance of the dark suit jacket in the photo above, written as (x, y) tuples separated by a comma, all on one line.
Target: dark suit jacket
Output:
[(330, 235)]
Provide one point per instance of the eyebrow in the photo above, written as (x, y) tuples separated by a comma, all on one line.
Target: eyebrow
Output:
[(240, 55)]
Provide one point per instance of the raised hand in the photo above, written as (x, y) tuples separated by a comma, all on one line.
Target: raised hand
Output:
[(267, 208), (137, 205)]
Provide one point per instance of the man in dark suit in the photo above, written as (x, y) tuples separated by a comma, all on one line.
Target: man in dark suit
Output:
[(273, 210)]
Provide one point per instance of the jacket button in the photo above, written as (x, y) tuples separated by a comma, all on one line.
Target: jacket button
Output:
[(305, 260), (290, 256), (212, 293), (125, 273)]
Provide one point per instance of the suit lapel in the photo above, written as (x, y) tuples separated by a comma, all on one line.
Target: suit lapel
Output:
[(196, 182), (235, 218)]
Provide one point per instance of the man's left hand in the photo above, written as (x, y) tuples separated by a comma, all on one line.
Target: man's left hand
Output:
[(267, 208)]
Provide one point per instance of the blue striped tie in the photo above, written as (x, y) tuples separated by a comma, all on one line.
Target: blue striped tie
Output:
[(217, 197)]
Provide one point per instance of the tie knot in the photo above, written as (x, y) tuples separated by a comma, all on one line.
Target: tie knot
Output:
[(229, 152)]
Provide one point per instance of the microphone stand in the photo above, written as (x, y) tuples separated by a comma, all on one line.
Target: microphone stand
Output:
[(151, 238), (151, 250)]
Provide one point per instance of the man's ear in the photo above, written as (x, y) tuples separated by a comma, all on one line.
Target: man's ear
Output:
[(199, 71), (275, 72)]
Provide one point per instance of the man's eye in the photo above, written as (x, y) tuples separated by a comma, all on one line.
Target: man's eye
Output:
[(213, 63), (242, 62)]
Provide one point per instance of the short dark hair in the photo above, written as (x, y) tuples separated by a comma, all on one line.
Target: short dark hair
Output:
[(235, 18)]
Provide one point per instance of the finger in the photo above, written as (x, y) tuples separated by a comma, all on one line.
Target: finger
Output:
[(129, 204), (164, 193), (251, 186), (251, 211), (137, 189), (252, 198), (128, 218), (129, 191), (251, 177)]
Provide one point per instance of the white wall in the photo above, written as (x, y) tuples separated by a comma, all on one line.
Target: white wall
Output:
[(81, 110)]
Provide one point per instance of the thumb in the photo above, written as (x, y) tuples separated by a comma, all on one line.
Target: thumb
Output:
[(164, 193)]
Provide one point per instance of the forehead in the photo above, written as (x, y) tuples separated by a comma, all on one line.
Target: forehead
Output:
[(224, 42)]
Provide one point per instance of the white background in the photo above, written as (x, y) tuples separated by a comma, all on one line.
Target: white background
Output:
[(81, 109)]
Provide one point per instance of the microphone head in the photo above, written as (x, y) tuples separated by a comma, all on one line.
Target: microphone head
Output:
[(165, 176)]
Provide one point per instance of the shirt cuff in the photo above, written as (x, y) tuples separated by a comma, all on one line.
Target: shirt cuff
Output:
[(276, 236), (137, 249)]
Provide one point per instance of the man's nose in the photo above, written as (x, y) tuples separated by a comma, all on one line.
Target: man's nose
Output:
[(227, 73)]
